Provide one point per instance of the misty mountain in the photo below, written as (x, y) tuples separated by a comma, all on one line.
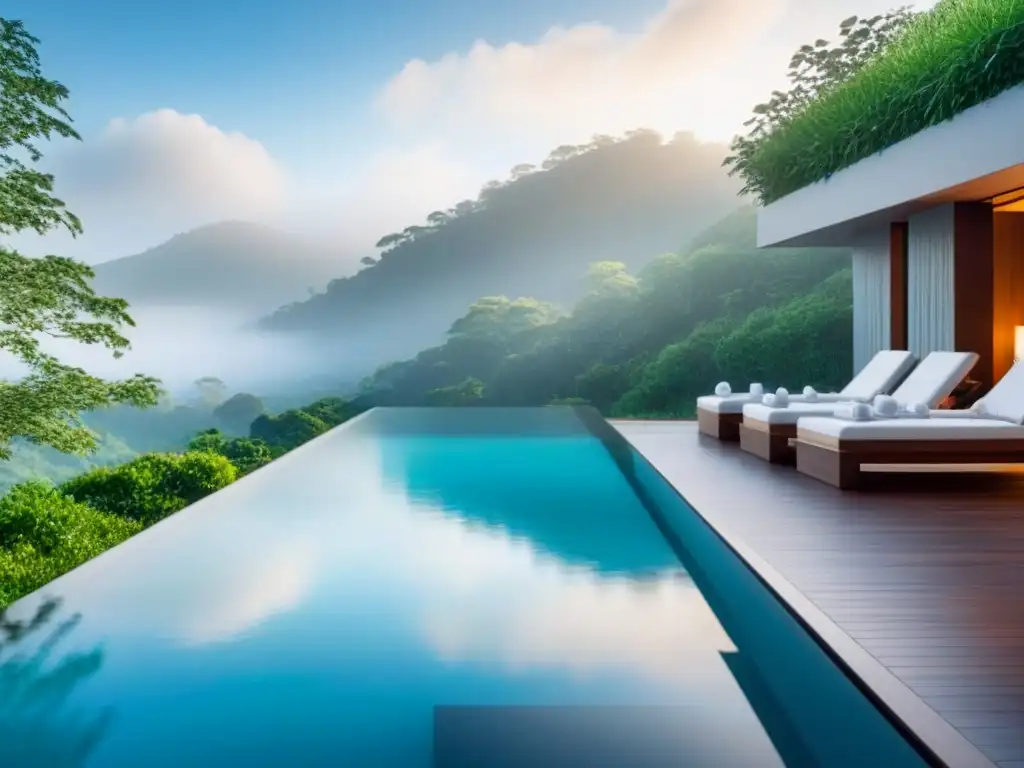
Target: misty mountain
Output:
[(228, 266), (623, 200)]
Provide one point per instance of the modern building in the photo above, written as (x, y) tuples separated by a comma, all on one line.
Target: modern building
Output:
[(936, 224)]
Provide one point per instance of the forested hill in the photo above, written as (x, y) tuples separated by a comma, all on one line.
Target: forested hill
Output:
[(232, 265), (646, 345), (624, 199)]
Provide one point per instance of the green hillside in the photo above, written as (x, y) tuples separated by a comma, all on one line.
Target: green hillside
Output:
[(647, 344), (533, 235), (231, 265)]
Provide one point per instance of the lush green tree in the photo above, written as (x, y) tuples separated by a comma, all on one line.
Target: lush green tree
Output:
[(678, 375), (210, 440), (287, 430), (245, 453), (603, 384), (239, 411), (499, 319), (535, 377), (45, 533), (50, 296), (332, 411), (609, 279), (806, 341), (438, 218), (153, 486), (469, 392), (390, 241)]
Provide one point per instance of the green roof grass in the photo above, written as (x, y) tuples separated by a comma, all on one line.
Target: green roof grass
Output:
[(957, 55)]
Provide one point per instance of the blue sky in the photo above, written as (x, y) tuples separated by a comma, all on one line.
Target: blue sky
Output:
[(312, 118), (253, 67)]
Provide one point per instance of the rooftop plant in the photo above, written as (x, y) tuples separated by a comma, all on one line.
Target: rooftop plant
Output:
[(890, 78)]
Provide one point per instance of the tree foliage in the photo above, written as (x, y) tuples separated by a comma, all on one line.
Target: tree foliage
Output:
[(153, 486), (51, 296), (498, 318), (44, 533), (246, 454), (287, 430), (468, 392)]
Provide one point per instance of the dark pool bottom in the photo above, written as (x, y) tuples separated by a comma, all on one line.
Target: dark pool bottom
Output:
[(431, 587)]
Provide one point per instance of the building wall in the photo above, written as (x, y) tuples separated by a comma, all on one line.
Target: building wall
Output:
[(871, 305), (1008, 298), (930, 295)]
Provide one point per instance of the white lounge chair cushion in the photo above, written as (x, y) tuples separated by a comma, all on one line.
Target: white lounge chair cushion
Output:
[(829, 431), (734, 403), (879, 375), (930, 383), (1006, 399), (716, 404), (767, 414), (935, 378)]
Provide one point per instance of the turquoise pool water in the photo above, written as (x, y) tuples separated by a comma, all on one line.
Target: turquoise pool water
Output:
[(430, 588)]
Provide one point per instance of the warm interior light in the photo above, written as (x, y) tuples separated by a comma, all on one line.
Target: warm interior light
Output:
[(1018, 343)]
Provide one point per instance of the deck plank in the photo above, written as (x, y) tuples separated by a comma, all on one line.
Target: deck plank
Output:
[(925, 573)]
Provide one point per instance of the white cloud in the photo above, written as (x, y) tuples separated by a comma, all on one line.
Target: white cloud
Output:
[(199, 169), (154, 176), (146, 179), (698, 65)]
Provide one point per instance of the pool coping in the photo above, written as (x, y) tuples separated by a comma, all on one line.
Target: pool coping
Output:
[(906, 709)]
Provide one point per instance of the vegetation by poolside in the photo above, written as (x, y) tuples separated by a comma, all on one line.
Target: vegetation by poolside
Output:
[(959, 54)]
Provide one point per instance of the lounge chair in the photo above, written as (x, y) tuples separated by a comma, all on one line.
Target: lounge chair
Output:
[(719, 415), (835, 450), (766, 430)]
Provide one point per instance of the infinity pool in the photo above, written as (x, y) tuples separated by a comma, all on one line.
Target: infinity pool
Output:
[(431, 588)]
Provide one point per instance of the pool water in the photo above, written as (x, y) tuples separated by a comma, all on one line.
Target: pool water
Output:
[(435, 588)]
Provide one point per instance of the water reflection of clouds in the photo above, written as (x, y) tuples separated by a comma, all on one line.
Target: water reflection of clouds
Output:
[(485, 596), (194, 583), (246, 598), (493, 598)]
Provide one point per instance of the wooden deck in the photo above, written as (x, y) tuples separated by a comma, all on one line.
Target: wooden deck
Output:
[(923, 576)]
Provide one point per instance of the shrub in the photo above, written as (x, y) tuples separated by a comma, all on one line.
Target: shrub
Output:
[(153, 486), (245, 453), (44, 534), (287, 430)]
